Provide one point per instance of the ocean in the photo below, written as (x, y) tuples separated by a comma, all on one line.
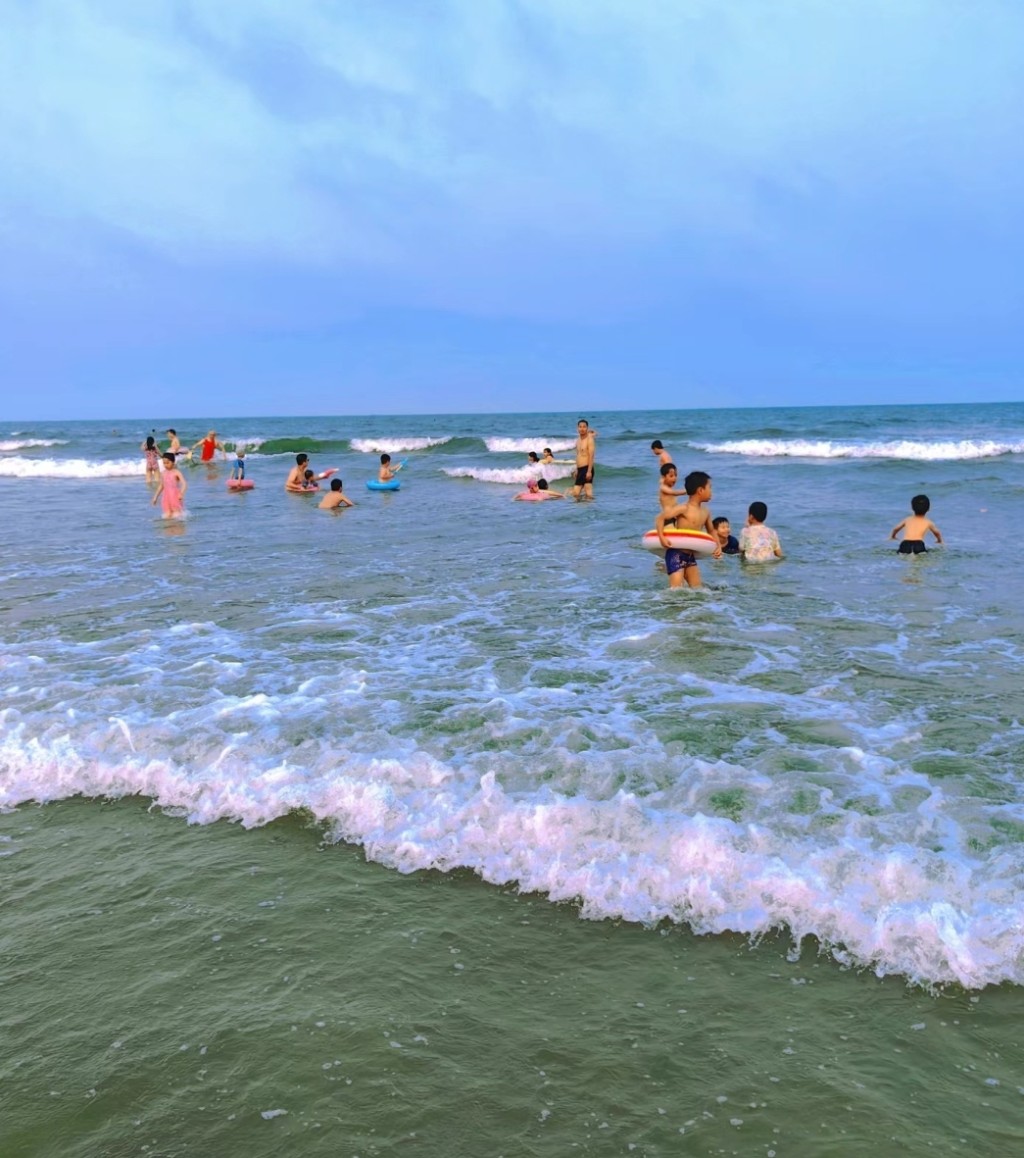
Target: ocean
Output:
[(441, 825)]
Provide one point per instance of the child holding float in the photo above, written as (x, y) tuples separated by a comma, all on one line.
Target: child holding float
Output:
[(693, 515), (387, 472)]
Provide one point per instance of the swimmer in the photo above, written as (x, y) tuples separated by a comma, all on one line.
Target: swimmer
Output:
[(334, 498)]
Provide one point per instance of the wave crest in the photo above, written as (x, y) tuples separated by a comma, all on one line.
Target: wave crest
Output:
[(938, 451)]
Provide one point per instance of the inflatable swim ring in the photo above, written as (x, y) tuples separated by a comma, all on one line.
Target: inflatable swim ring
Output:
[(696, 541), (240, 484), (375, 485)]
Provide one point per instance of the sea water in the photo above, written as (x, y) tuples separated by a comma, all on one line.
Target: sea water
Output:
[(441, 823)]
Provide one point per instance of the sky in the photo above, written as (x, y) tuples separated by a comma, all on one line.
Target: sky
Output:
[(236, 207)]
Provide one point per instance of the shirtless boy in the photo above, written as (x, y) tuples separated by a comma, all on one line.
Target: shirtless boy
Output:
[(387, 472), (915, 527), (334, 498), (584, 484), (666, 495), (658, 449), (692, 515)]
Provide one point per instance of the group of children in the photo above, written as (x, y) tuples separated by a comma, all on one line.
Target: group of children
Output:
[(757, 542)]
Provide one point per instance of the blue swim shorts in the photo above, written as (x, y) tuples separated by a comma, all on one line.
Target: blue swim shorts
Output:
[(676, 560)]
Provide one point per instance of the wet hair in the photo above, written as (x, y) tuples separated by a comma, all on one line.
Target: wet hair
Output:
[(308, 474), (150, 442), (920, 504), (301, 458), (548, 450), (657, 444), (171, 430), (542, 484), (168, 457), (717, 522), (666, 467), (758, 511), (335, 484), (385, 458), (583, 420), (695, 480), (533, 456)]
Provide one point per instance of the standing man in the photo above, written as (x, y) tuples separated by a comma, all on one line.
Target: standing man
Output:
[(584, 461)]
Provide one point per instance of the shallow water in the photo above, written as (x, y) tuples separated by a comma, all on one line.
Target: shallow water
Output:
[(826, 752)]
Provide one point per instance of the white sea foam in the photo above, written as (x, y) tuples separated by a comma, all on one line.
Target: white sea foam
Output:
[(9, 444), (897, 907), (517, 474), (525, 445), (396, 445), (29, 468), (938, 451)]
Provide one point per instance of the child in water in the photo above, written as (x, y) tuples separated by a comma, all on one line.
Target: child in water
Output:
[(730, 545), (149, 449), (758, 543), (387, 472), (334, 498), (238, 466), (309, 481), (667, 495), (693, 515), (171, 490), (915, 527)]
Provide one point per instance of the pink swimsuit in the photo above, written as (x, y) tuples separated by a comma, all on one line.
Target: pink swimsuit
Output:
[(170, 498)]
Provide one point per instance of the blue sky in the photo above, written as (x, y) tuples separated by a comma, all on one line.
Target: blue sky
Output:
[(373, 206)]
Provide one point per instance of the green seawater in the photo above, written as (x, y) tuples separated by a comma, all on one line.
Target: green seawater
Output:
[(169, 990)]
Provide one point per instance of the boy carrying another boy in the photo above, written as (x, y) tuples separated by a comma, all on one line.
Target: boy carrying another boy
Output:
[(758, 543), (693, 515)]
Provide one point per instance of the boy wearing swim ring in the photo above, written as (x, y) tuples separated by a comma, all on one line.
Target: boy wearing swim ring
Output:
[(387, 472), (334, 498), (238, 466), (693, 515), (915, 527), (758, 543)]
